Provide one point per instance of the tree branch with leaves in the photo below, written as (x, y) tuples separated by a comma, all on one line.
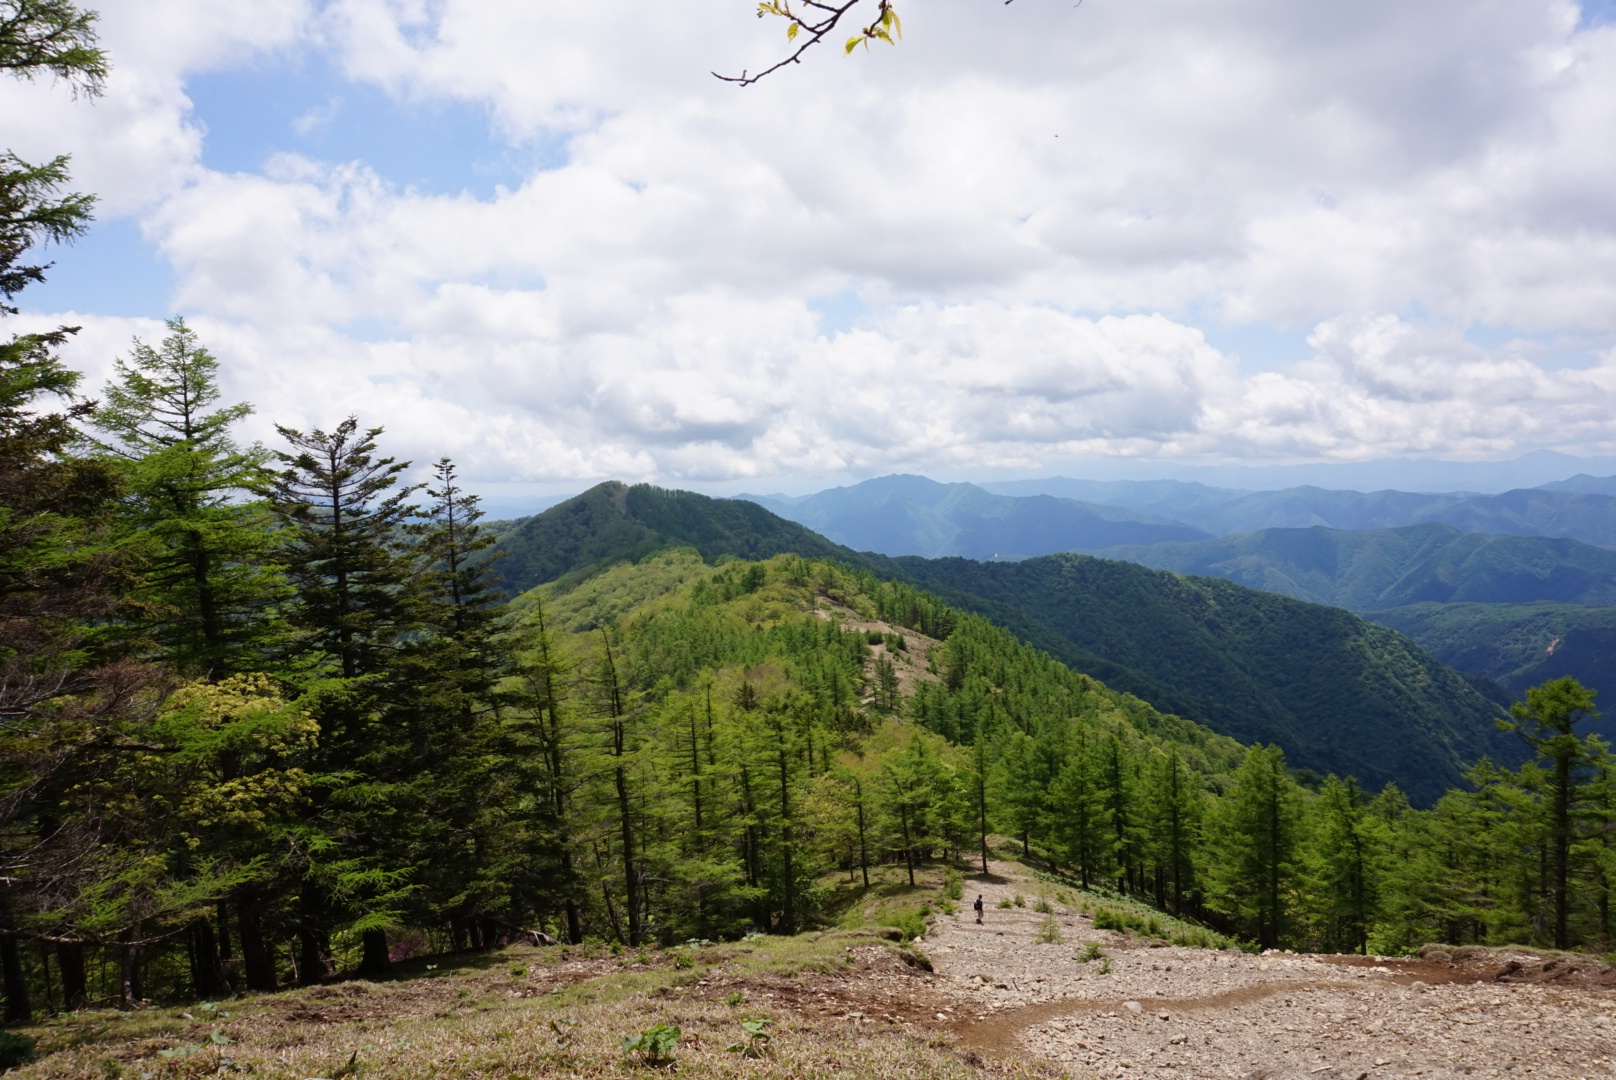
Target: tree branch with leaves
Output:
[(809, 22)]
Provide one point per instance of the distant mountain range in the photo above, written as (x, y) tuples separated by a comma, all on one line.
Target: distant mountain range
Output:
[(911, 515), (1336, 692), (1573, 512), (1369, 570)]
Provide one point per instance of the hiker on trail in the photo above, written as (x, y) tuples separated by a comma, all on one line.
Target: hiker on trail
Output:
[(978, 906)]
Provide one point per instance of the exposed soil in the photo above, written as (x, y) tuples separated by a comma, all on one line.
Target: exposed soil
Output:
[(1204, 1013), (909, 663)]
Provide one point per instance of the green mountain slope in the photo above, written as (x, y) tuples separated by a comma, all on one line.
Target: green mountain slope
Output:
[(1339, 694), (1519, 645), (1365, 570), (616, 521)]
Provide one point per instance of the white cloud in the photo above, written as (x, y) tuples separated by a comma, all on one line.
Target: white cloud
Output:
[(1037, 205)]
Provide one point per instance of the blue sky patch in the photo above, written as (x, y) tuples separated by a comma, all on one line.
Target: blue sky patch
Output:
[(304, 106)]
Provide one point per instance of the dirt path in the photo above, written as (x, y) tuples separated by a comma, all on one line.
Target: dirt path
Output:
[(1172, 1011)]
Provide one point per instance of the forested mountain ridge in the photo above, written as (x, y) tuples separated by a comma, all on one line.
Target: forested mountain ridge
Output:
[(1371, 570), (798, 658), (1519, 645), (1339, 694), (912, 515), (1329, 688), (1518, 610), (617, 521)]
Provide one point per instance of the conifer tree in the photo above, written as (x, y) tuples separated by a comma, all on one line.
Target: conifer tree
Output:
[(540, 749), (1173, 809), (208, 579), (344, 517), (359, 593), (1344, 864), (56, 570), (1548, 720), (1255, 863)]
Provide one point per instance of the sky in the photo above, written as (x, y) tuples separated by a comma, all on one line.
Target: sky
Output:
[(1100, 238)]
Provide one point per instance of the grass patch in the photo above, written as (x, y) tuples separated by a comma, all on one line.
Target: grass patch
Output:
[(577, 1015), (1129, 916)]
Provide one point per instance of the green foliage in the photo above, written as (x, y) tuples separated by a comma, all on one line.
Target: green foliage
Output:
[(1374, 570), (1049, 933), (209, 581), (1336, 693), (655, 1044), (1089, 952), (15, 1050), (757, 1039), (1517, 645), (614, 522)]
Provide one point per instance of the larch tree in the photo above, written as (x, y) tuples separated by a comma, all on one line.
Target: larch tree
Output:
[(193, 511), (1548, 721)]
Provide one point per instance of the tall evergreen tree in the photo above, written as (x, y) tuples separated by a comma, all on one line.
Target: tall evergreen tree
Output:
[(345, 521), (1257, 833), (345, 518), (1548, 720), (1343, 859), (56, 572), (208, 579)]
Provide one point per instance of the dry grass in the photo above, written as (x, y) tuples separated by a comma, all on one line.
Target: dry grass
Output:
[(565, 1014)]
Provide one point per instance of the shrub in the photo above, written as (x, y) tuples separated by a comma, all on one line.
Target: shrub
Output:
[(912, 924), (1004, 902), (1043, 906), (953, 884), (684, 960), (15, 1050), (1091, 951), (736, 998), (1049, 933), (518, 971), (1019, 901), (1111, 919)]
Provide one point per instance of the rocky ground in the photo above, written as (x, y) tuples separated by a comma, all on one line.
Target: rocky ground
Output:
[(1203, 1013)]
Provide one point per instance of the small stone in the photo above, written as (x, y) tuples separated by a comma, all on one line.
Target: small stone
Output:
[(1162, 1016), (1133, 1007), (1417, 986)]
